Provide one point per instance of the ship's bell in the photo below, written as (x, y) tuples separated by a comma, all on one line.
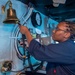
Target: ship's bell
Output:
[(11, 16)]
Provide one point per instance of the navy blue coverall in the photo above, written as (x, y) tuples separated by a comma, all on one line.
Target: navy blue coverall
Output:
[(60, 57)]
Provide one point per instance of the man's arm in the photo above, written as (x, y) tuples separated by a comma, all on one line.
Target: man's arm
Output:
[(24, 30)]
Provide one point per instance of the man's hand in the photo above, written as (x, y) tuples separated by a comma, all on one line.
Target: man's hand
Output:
[(23, 29)]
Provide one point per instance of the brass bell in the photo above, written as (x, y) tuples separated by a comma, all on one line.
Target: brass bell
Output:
[(11, 15)]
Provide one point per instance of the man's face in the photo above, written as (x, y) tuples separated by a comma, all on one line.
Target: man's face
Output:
[(60, 33)]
